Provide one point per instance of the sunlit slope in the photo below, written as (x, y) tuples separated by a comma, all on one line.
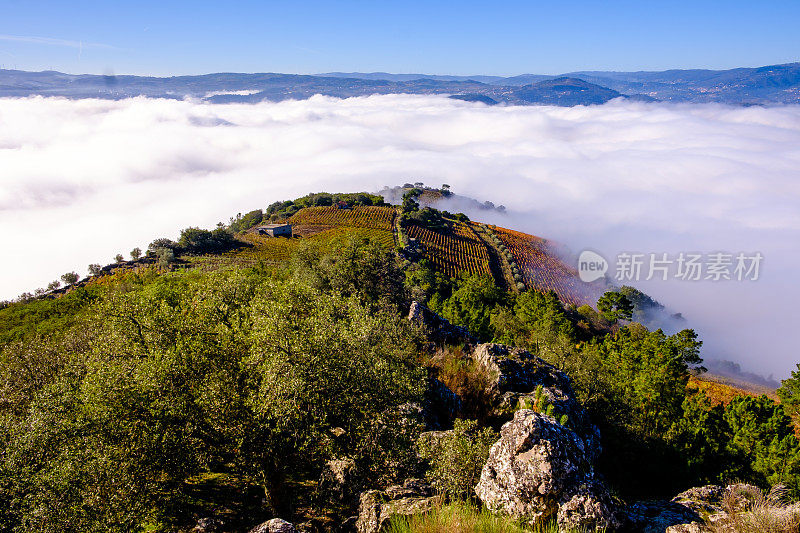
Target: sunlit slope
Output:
[(374, 217), (542, 270), (455, 250)]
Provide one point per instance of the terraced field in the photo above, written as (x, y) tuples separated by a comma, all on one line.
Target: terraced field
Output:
[(543, 271), (454, 252), (375, 217)]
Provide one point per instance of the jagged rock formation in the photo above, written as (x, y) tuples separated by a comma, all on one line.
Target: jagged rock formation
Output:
[(540, 469), (691, 510), (515, 375), (378, 507), (437, 328)]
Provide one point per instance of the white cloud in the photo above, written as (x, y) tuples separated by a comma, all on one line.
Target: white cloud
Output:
[(83, 180)]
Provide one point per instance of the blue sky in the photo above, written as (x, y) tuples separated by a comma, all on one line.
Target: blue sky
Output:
[(464, 37)]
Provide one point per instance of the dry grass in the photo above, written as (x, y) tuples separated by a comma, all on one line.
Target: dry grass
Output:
[(462, 518), (464, 377), (751, 511)]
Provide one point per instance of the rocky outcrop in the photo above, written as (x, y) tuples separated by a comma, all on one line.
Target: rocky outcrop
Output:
[(276, 525), (441, 405), (437, 328), (658, 516), (339, 481), (539, 470), (587, 507), (514, 376), (689, 511), (376, 508)]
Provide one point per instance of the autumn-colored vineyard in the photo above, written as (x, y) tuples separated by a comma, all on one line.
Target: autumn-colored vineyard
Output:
[(375, 217), (543, 271), (455, 251)]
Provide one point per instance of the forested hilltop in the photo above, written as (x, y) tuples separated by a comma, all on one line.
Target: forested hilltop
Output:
[(384, 368)]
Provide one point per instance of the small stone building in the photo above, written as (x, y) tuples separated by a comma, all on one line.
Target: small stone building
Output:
[(275, 230)]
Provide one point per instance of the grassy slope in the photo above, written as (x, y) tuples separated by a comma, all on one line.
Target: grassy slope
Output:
[(721, 389)]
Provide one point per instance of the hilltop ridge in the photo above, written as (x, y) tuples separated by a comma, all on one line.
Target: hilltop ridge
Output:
[(767, 85)]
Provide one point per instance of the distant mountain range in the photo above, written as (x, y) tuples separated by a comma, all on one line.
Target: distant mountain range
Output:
[(777, 84)]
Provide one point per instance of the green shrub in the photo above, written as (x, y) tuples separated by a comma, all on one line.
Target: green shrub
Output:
[(457, 458)]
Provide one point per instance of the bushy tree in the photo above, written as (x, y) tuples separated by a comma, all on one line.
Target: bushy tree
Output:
[(162, 244), (789, 391), (199, 241), (95, 269), (69, 278), (615, 306), (471, 304), (190, 373), (136, 253)]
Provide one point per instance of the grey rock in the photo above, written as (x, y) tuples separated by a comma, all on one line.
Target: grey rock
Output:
[(689, 510), (694, 527), (275, 525), (656, 516), (516, 374), (207, 525), (588, 507), (339, 481), (538, 466), (376, 508), (438, 329)]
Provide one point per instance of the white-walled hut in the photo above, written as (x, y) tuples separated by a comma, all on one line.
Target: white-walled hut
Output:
[(275, 230)]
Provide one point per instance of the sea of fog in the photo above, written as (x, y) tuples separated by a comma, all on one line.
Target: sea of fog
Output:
[(83, 180)]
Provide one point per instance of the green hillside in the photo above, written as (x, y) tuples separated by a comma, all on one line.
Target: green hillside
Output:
[(227, 375)]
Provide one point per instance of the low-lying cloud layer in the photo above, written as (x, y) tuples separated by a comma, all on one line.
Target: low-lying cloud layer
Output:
[(83, 180)]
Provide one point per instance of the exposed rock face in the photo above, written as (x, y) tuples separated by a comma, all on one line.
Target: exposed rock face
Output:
[(540, 469), (441, 405), (439, 330), (207, 525), (657, 516), (339, 481), (276, 525), (689, 510), (587, 507), (376, 507), (515, 374)]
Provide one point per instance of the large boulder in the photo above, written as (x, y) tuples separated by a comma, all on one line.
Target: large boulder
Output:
[(540, 469), (515, 375), (376, 508)]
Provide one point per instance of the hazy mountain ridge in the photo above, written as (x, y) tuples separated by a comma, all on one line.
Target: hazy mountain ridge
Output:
[(245, 88), (759, 85)]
